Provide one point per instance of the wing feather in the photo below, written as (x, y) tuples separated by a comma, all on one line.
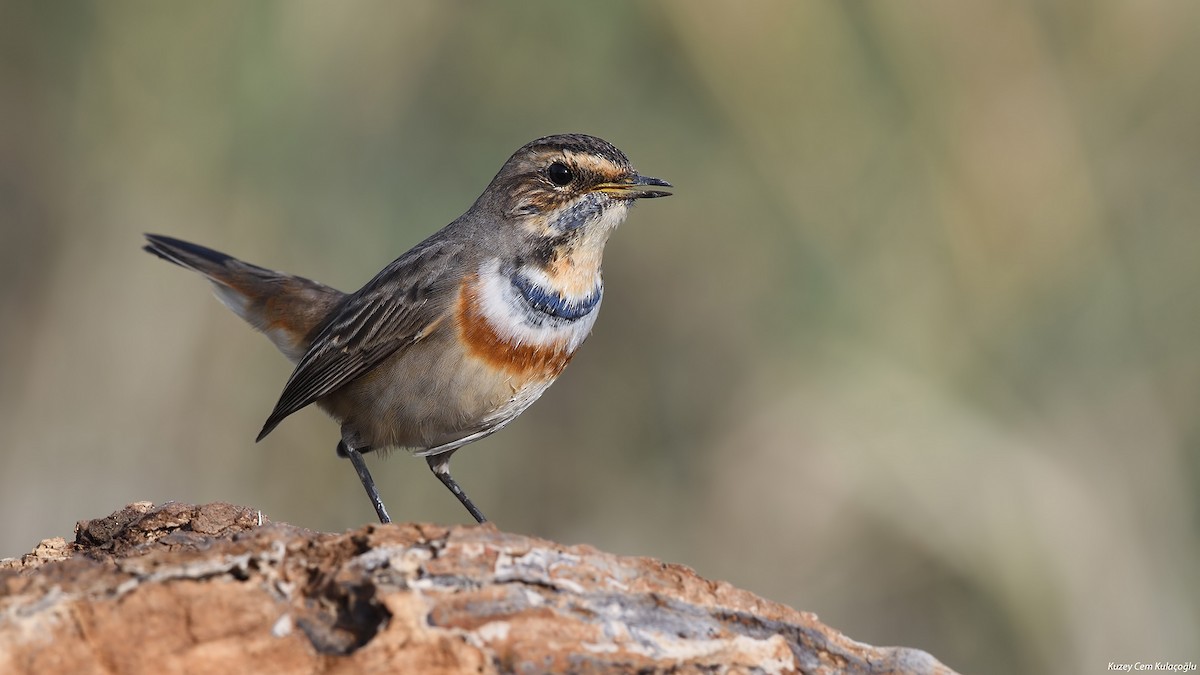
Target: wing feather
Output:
[(388, 314)]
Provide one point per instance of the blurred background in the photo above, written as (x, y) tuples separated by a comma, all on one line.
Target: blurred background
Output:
[(915, 345)]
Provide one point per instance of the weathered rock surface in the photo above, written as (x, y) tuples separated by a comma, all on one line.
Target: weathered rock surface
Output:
[(212, 589)]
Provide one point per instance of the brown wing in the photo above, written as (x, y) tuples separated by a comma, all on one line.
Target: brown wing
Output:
[(388, 314)]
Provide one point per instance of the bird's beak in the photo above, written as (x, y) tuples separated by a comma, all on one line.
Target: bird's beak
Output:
[(635, 187)]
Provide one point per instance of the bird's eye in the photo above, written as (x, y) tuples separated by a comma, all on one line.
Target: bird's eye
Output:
[(559, 174)]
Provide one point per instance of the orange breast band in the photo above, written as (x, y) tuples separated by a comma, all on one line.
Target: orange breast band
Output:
[(484, 342)]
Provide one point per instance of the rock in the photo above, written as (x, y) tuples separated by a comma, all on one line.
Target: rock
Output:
[(215, 588)]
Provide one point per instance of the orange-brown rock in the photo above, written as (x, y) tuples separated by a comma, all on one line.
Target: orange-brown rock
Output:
[(214, 589)]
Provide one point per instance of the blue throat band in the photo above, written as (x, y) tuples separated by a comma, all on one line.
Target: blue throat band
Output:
[(554, 304)]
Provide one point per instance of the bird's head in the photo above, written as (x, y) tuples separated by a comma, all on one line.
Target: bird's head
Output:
[(570, 185)]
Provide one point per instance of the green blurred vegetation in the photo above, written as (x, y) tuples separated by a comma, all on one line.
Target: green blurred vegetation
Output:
[(914, 346)]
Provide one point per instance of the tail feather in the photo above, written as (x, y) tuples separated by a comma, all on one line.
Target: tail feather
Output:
[(186, 254), (287, 308)]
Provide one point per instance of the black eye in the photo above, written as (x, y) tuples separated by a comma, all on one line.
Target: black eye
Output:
[(559, 174)]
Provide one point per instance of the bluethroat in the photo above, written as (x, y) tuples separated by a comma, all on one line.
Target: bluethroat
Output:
[(457, 337)]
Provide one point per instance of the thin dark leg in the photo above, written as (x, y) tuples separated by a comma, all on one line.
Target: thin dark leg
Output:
[(368, 483), (441, 468)]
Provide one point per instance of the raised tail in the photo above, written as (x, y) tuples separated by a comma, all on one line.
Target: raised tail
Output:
[(287, 309)]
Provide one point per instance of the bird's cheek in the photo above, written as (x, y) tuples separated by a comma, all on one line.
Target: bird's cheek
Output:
[(584, 213), (538, 226)]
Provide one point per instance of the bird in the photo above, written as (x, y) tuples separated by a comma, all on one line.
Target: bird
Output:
[(458, 336)]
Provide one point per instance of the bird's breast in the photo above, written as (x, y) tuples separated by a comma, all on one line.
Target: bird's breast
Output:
[(513, 323)]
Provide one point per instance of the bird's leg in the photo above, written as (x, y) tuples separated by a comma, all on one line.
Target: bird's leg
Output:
[(440, 464), (368, 483)]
